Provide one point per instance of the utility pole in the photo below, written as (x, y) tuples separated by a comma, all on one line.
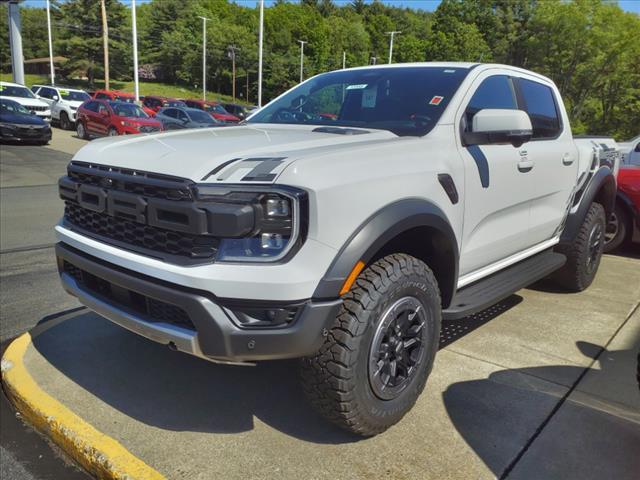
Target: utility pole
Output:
[(231, 53), (301, 42), (247, 97), (15, 40), (52, 71), (344, 59), (204, 57), (260, 35), (134, 26), (105, 43), (391, 34)]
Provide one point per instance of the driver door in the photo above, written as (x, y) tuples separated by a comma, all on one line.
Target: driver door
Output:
[(497, 192)]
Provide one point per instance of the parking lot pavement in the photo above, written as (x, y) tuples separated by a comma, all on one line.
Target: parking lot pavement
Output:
[(515, 389)]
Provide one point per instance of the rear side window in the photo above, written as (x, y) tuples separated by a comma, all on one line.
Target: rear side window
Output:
[(540, 104), (493, 92), (169, 112)]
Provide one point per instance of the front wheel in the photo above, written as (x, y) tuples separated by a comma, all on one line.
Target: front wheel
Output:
[(65, 123), (81, 131), (380, 350), (584, 253)]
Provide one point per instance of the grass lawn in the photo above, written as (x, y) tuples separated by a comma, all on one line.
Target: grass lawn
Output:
[(146, 88)]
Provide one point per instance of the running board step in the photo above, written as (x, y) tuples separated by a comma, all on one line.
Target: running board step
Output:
[(488, 291)]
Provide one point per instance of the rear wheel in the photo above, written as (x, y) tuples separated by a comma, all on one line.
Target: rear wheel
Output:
[(379, 352), (81, 131), (65, 123), (584, 253), (618, 227)]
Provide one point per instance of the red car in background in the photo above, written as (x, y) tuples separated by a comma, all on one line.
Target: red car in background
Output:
[(214, 109), (153, 103), (625, 220), (110, 118), (114, 95)]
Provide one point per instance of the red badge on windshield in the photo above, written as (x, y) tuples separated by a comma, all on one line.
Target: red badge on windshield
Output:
[(436, 100)]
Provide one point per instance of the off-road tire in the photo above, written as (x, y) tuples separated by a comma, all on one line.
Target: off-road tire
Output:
[(336, 379), (65, 123), (623, 228), (577, 274), (81, 131)]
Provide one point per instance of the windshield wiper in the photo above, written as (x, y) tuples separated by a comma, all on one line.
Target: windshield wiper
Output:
[(340, 130)]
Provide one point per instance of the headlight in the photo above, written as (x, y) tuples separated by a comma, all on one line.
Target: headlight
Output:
[(278, 221), (124, 123)]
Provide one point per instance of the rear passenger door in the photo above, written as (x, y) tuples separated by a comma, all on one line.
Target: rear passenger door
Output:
[(554, 156), (497, 193)]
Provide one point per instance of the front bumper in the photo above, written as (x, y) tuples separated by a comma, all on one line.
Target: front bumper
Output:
[(22, 135), (208, 327)]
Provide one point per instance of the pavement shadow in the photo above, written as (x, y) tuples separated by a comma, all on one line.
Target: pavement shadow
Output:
[(503, 412), (174, 391)]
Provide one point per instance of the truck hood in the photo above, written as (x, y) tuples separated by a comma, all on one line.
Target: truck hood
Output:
[(225, 154)]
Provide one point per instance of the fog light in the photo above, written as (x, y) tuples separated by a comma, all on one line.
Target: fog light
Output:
[(278, 207), (271, 241)]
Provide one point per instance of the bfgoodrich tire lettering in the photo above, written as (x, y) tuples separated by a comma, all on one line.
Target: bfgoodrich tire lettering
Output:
[(584, 253), (337, 379)]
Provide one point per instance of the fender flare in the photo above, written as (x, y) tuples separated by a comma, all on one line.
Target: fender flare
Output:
[(602, 181), (380, 228)]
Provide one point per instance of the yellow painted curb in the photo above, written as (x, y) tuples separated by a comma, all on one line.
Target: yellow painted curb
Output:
[(98, 453)]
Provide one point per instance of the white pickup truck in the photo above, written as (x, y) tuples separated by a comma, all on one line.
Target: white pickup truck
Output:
[(341, 223)]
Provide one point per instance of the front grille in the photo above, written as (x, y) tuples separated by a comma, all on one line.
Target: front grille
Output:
[(131, 181), (29, 132), (148, 129), (151, 309), (144, 236), (38, 109)]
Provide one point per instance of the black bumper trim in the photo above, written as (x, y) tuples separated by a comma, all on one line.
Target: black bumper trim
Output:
[(216, 336)]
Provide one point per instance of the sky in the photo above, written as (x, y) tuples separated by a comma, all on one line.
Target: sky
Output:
[(429, 5)]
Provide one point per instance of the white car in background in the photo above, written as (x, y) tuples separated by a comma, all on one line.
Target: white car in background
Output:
[(630, 151), (64, 103), (26, 98)]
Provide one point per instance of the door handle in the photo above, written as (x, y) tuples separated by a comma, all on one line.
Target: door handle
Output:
[(567, 159), (525, 166)]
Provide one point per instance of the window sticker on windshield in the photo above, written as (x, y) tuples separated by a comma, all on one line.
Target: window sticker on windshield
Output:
[(449, 71), (1, 88), (357, 87), (369, 98), (64, 92), (436, 100)]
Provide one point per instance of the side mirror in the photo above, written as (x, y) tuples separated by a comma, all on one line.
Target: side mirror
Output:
[(494, 126), (56, 98)]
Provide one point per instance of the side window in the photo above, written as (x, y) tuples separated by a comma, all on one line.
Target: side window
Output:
[(170, 112), (103, 96), (102, 108), (34, 89), (182, 116), (92, 106), (493, 92), (46, 92), (540, 104)]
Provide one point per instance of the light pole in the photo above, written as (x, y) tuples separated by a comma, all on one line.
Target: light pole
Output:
[(135, 50), (204, 56), (15, 41), (105, 43), (53, 74), (302, 42), (231, 52), (260, 35), (344, 59), (391, 34)]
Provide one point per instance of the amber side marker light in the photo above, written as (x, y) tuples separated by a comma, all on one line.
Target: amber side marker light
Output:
[(352, 277)]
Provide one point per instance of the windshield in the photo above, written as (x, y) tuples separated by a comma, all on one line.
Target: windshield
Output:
[(11, 91), (7, 106), (127, 110), (216, 109), (122, 98), (74, 95), (174, 103), (404, 100), (200, 116)]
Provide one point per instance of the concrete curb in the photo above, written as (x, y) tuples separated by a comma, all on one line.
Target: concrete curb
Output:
[(101, 455)]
